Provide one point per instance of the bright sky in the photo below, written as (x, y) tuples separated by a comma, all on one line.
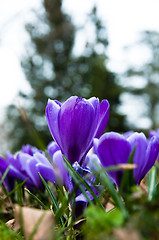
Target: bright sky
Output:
[(124, 20)]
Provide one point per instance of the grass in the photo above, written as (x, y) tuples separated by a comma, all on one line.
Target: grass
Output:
[(137, 212)]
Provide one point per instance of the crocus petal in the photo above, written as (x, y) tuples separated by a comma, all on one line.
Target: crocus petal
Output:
[(52, 148), (52, 112), (13, 161), (60, 169), (151, 156), (13, 171), (138, 143), (44, 167), (97, 190), (3, 165), (32, 171), (28, 167), (81, 201), (128, 134), (40, 158), (103, 118), (92, 160), (154, 133), (46, 172), (112, 149), (94, 102), (30, 149)]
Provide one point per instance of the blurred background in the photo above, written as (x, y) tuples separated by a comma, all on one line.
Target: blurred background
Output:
[(55, 49)]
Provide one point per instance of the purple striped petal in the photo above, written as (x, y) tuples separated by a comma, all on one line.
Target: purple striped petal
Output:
[(52, 148), (151, 156), (61, 172), (138, 142), (112, 149), (52, 115), (103, 118), (77, 123)]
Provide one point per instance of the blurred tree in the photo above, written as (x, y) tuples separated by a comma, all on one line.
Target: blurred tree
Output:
[(54, 72), (149, 72)]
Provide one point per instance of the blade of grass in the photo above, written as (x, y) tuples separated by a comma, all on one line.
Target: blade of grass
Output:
[(53, 198), (37, 199), (14, 190), (152, 183), (71, 219), (20, 195), (66, 201), (127, 179), (4, 176)]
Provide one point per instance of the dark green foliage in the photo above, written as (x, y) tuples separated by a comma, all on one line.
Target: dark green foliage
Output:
[(54, 72)]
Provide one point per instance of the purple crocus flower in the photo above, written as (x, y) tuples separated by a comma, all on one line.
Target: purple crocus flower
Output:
[(113, 148), (31, 166), (75, 123), (27, 164)]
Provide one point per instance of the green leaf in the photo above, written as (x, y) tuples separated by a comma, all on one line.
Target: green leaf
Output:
[(127, 179), (152, 183), (4, 175), (37, 199), (13, 191), (51, 195), (53, 198), (66, 201)]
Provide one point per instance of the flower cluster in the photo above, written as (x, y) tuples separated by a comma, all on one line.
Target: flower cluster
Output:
[(27, 164), (77, 126)]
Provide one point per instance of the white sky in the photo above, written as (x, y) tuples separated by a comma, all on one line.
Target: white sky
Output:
[(124, 19)]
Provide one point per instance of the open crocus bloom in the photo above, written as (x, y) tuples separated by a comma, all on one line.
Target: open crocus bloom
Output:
[(113, 148), (75, 123)]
